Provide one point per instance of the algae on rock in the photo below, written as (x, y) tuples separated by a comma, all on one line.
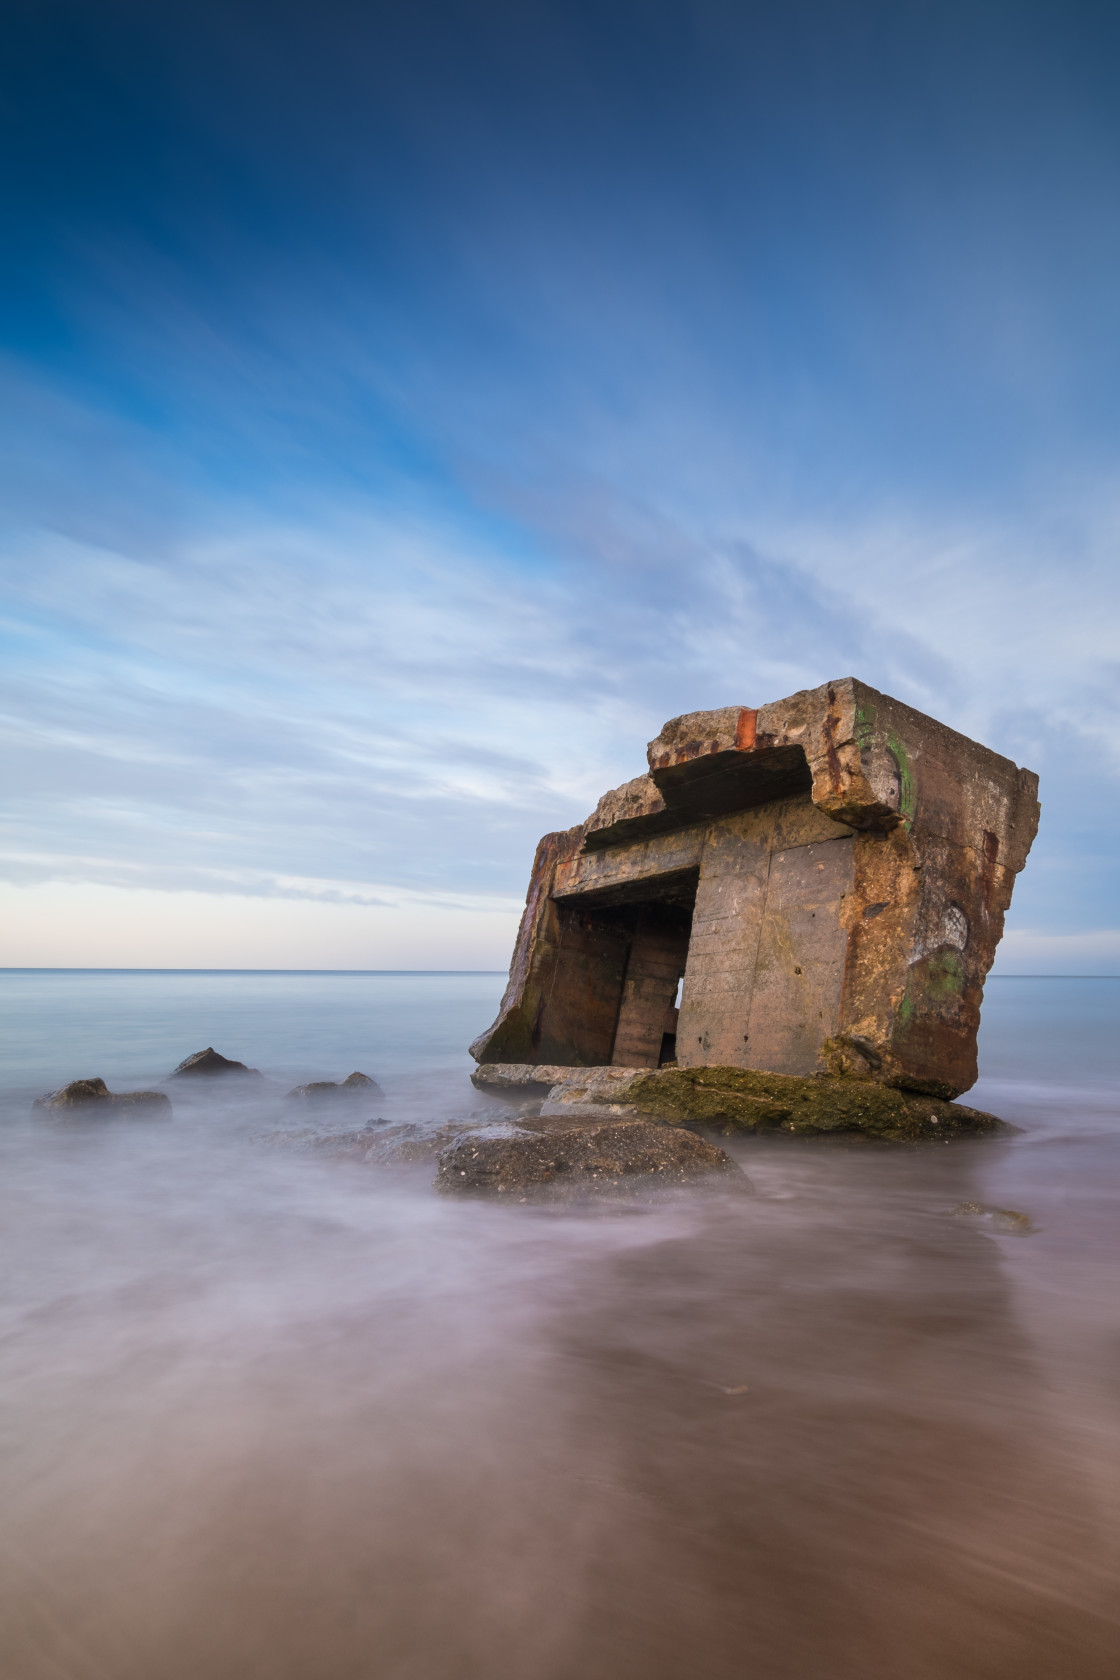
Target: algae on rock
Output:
[(739, 1099)]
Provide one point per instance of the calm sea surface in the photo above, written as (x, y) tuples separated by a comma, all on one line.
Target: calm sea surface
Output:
[(270, 1415)]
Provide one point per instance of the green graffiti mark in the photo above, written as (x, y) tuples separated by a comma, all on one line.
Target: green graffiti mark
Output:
[(865, 728), (907, 791), (931, 984), (944, 975)]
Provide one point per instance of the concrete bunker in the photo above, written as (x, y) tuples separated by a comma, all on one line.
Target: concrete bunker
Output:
[(824, 878)]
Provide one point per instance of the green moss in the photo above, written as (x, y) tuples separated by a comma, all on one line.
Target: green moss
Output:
[(737, 1099)]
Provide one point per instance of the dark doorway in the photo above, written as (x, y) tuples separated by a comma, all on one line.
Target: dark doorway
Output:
[(619, 960)]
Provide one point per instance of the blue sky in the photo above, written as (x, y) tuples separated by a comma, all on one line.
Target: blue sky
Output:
[(406, 409)]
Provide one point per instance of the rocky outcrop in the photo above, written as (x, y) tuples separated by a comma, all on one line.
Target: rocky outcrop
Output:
[(92, 1099), (621, 1154), (356, 1086), (738, 1099), (207, 1064)]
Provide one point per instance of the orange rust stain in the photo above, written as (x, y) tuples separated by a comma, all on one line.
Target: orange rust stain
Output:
[(831, 722), (746, 736)]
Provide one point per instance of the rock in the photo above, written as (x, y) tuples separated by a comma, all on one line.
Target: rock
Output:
[(513, 1079), (736, 1099), (206, 1063), (1008, 1220), (505, 1158), (92, 1098), (329, 1090)]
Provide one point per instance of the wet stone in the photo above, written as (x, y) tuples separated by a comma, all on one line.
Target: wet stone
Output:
[(208, 1063), (737, 1099), (503, 1159), (92, 1099), (1007, 1220), (318, 1091)]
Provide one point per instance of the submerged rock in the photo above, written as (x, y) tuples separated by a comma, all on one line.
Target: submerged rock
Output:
[(92, 1098), (505, 1158), (378, 1142), (738, 1099), (208, 1062), (1008, 1220), (330, 1090)]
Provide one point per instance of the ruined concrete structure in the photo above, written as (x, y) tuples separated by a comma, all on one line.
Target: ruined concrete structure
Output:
[(828, 875)]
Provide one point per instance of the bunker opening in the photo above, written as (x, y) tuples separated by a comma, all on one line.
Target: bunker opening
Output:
[(621, 955)]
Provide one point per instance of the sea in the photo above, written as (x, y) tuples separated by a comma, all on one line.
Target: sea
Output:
[(271, 1415)]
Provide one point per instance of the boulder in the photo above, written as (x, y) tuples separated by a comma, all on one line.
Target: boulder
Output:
[(357, 1085), (739, 1099), (505, 1158), (205, 1064), (92, 1098)]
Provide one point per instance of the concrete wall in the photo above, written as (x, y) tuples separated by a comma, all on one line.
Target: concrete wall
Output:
[(766, 963)]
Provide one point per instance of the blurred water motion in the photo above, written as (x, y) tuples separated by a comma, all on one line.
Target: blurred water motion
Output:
[(272, 1415)]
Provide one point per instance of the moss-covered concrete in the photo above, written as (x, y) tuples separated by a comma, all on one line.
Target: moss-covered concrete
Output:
[(737, 1099)]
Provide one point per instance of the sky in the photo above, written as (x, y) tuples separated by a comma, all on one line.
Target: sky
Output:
[(407, 408)]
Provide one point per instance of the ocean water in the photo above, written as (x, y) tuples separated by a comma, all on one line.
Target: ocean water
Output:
[(271, 1415)]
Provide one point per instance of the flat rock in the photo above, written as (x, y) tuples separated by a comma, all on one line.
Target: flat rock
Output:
[(505, 1158), (92, 1099), (499, 1079), (207, 1063), (738, 1099), (357, 1085)]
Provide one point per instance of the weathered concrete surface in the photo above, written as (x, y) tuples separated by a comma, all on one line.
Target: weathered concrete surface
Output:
[(829, 875), (91, 1099), (621, 1154)]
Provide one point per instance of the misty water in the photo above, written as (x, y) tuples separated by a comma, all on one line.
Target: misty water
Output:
[(270, 1414)]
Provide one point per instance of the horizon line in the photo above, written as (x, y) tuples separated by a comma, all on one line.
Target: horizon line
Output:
[(44, 969), (398, 972)]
